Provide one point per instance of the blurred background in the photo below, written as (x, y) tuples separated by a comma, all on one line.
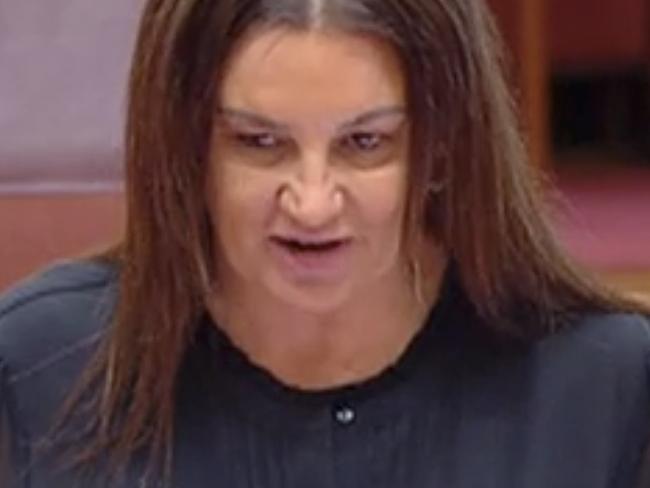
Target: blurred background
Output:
[(581, 70)]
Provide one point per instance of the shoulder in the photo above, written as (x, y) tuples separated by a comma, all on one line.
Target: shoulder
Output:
[(623, 328), (589, 373), (600, 370), (600, 367), (619, 339), (599, 351), (54, 312)]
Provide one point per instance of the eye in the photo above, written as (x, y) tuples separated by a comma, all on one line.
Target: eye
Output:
[(364, 141), (367, 149), (259, 141)]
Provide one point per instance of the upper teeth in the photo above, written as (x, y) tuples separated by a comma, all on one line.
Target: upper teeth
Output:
[(310, 243)]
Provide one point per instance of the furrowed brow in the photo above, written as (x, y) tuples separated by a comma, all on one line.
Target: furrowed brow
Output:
[(257, 120), (251, 118), (373, 115)]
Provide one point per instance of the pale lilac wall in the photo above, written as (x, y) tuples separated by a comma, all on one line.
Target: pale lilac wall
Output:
[(63, 70)]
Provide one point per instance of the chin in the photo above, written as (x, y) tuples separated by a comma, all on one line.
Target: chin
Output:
[(313, 300)]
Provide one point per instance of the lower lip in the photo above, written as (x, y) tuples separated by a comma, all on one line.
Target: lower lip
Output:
[(313, 266)]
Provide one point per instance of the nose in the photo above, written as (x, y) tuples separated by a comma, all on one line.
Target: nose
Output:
[(311, 197)]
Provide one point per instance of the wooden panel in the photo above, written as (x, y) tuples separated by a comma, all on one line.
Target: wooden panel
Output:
[(524, 28), (635, 283), (612, 34), (36, 230)]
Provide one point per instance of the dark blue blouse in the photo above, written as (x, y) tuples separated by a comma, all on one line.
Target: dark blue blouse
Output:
[(457, 410)]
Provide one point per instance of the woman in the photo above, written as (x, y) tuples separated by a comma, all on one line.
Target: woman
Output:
[(336, 272)]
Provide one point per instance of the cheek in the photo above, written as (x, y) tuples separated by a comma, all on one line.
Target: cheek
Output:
[(383, 203), (241, 204)]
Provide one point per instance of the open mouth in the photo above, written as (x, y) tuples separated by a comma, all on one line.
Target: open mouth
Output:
[(311, 259), (298, 246)]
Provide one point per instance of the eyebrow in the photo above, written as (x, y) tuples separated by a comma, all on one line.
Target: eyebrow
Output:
[(262, 121)]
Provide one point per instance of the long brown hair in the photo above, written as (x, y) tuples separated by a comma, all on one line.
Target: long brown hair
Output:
[(471, 186)]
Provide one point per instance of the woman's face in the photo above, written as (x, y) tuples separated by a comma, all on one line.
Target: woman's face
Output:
[(308, 167)]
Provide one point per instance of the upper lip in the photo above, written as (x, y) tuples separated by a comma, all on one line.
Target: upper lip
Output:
[(309, 239)]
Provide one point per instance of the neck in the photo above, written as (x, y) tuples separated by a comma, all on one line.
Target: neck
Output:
[(325, 350)]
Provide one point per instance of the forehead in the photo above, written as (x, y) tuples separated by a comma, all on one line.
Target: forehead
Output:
[(297, 75)]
